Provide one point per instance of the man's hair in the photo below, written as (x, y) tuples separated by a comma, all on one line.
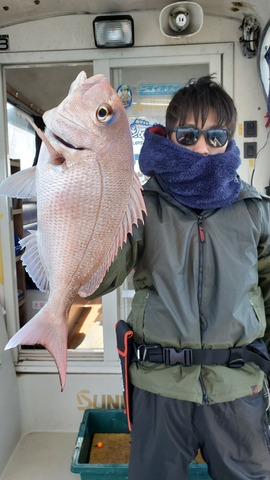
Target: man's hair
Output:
[(197, 97)]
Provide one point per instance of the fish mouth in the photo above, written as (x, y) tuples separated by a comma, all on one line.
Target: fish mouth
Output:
[(66, 144)]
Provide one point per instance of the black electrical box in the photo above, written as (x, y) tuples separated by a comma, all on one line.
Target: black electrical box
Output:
[(250, 128), (250, 149)]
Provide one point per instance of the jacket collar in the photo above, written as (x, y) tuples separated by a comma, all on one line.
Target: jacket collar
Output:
[(247, 191)]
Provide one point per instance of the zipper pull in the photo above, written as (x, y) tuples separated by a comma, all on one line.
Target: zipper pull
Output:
[(201, 230)]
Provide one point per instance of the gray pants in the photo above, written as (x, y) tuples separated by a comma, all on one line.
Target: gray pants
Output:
[(167, 433)]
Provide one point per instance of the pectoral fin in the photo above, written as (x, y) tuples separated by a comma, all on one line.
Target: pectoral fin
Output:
[(55, 157)]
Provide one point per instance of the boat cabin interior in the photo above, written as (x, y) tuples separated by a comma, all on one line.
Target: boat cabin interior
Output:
[(44, 45)]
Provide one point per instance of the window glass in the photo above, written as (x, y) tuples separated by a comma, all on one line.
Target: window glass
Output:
[(21, 136), (146, 92)]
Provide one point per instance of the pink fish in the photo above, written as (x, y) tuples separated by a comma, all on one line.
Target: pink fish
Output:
[(88, 197)]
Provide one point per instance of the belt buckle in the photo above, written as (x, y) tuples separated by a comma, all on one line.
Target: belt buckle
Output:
[(172, 356)]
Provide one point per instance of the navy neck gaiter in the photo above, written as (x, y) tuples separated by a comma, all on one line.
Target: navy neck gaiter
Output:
[(195, 180)]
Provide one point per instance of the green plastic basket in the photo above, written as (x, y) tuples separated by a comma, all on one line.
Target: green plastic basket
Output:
[(110, 421)]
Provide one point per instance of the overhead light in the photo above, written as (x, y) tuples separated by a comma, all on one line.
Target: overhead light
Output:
[(113, 31)]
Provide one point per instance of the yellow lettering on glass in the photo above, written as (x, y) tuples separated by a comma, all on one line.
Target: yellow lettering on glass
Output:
[(86, 400)]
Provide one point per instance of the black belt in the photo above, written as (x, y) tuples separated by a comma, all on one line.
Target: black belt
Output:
[(231, 357)]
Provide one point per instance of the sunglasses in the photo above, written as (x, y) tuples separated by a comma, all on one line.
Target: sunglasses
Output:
[(214, 137)]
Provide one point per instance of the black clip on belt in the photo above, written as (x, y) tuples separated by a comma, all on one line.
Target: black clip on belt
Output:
[(171, 356), (168, 356)]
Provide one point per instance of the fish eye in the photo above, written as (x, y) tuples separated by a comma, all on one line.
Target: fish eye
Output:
[(103, 112)]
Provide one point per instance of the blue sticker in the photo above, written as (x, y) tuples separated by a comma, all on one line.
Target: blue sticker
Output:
[(125, 93), (137, 128), (148, 89)]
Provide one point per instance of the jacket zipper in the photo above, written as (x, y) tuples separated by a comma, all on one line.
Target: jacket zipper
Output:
[(200, 282), (202, 241), (205, 397), (201, 229)]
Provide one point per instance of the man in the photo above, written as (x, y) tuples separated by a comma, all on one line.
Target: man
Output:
[(202, 283)]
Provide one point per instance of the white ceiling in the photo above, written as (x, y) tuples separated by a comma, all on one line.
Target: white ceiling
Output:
[(18, 11), (31, 82)]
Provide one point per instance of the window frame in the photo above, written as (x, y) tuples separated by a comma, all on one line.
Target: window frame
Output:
[(220, 59)]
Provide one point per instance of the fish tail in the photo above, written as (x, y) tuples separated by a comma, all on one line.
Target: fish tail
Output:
[(44, 329)]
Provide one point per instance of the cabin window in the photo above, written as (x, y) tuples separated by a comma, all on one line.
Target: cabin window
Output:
[(21, 136), (151, 89)]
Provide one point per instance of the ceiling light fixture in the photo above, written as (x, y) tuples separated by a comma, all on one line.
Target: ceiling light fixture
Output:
[(113, 31)]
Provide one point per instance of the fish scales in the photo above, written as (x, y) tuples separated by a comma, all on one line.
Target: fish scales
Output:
[(88, 198)]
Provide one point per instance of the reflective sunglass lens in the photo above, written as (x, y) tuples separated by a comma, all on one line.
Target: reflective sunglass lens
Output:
[(217, 138), (187, 136)]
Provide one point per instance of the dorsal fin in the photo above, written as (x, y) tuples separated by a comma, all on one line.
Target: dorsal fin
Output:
[(21, 184)]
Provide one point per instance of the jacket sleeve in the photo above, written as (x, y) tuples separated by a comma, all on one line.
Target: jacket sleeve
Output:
[(264, 281), (264, 269), (123, 263)]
